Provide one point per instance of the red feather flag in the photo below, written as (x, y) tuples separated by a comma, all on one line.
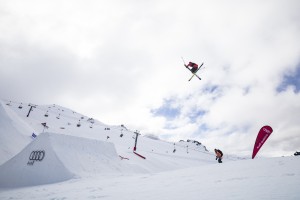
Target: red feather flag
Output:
[(262, 136)]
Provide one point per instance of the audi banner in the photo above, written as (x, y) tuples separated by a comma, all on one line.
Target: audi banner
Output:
[(262, 136)]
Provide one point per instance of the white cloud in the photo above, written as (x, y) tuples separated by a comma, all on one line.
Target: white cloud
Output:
[(117, 61)]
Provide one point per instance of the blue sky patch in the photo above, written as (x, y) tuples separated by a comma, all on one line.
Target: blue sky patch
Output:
[(291, 80), (202, 128), (195, 115), (167, 110), (211, 89)]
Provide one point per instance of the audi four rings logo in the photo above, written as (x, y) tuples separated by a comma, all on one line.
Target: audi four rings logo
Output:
[(36, 156)]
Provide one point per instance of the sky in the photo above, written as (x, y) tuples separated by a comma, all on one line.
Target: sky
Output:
[(121, 63)]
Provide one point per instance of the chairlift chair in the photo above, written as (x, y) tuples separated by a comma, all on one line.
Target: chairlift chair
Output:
[(78, 124)]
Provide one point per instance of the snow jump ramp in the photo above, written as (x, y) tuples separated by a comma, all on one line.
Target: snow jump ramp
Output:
[(53, 158)]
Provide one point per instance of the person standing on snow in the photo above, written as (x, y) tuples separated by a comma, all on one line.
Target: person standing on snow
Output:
[(219, 155), (194, 67)]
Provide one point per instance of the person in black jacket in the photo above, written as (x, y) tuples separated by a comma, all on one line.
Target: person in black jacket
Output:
[(219, 155)]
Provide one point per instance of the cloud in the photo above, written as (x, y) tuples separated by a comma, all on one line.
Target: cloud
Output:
[(121, 63), (28, 70)]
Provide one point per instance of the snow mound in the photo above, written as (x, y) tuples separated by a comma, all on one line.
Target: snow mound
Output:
[(14, 133), (52, 158)]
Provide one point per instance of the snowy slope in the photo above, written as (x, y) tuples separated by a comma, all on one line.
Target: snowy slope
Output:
[(65, 121), (87, 159), (264, 179), (14, 133)]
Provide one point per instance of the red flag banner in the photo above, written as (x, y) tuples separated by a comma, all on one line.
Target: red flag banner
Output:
[(262, 136)]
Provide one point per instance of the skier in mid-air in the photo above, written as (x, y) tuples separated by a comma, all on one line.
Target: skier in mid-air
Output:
[(194, 66)]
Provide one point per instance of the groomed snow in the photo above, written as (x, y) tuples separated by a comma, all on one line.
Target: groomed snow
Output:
[(96, 161)]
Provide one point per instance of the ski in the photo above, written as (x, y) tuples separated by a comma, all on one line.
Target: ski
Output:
[(193, 76)]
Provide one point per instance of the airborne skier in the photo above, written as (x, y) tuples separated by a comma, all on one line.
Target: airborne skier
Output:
[(194, 67)]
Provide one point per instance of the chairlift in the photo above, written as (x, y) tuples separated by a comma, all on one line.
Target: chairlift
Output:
[(58, 117), (174, 149), (91, 120), (78, 124), (46, 115), (9, 103), (91, 126), (20, 106)]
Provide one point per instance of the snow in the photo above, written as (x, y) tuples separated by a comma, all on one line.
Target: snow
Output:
[(96, 161), (12, 133)]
